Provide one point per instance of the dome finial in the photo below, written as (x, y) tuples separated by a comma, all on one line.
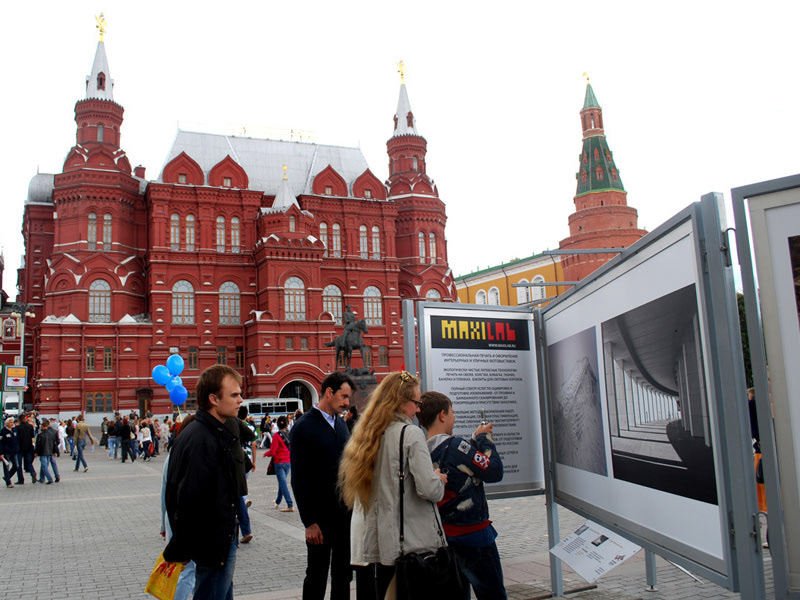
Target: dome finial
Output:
[(401, 68), (586, 75), (101, 25)]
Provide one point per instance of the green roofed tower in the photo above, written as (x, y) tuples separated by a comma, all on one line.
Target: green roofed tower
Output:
[(602, 217)]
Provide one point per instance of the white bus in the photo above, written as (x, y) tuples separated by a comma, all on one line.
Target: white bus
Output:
[(274, 407)]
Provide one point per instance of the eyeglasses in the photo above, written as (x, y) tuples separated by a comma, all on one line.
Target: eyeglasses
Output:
[(417, 402)]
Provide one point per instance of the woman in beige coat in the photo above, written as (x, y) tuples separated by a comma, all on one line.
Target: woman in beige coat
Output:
[(368, 479)]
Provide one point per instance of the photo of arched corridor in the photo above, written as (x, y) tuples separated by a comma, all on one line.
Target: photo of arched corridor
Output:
[(657, 398)]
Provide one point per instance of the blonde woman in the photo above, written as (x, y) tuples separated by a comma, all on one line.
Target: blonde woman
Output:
[(369, 483)]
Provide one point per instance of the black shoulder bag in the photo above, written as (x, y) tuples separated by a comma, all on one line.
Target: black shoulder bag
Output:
[(426, 575)]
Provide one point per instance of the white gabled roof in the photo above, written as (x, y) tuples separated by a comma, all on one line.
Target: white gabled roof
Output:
[(100, 66), (262, 159)]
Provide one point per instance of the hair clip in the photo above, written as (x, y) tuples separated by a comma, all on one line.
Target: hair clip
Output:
[(405, 376)]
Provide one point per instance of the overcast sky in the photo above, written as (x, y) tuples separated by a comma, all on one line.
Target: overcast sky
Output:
[(696, 96)]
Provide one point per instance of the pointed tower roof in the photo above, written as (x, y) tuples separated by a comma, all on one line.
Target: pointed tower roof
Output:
[(590, 101), (284, 199), (404, 121)]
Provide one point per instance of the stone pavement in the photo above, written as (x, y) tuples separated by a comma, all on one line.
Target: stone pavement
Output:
[(95, 535)]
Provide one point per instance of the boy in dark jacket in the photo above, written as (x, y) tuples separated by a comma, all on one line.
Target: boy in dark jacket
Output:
[(468, 463)]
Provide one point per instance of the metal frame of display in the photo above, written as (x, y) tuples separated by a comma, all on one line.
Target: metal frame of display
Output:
[(742, 549), (758, 361)]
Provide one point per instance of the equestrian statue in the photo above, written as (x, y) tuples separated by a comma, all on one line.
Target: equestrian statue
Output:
[(350, 340)]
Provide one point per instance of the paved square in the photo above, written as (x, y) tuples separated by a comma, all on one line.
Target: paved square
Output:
[(95, 535)]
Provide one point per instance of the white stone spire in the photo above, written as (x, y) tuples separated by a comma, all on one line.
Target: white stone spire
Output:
[(404, 121), (99, 84), (284, 199)]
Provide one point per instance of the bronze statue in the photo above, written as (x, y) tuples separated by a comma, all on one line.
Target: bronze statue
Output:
[(350, 340)]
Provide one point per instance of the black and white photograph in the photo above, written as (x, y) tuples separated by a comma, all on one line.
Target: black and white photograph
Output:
[(657, 398), (575, 403)]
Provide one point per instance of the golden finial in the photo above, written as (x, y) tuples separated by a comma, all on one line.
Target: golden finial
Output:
[(585, 74), (285, 168), (401, 68), (101, 24)]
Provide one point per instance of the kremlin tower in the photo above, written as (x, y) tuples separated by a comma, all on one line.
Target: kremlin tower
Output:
[(602, 217)]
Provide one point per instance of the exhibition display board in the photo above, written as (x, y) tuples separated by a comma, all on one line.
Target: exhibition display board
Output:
[(484, 360), (770, 258)]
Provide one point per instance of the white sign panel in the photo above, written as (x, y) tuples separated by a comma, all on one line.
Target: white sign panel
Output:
[(485, 362), (592, 550)]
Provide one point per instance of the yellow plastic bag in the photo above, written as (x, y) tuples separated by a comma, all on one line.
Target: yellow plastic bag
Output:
[(164, 578)]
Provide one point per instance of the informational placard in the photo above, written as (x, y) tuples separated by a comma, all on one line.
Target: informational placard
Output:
[(592, 550), (484, 360), (774, 222), (633, 423), (16, 378)]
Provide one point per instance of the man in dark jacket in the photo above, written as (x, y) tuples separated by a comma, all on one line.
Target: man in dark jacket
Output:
[(47, 449), (25, 435), (317, 441), (465, 513), (202, 491), (9, 448)]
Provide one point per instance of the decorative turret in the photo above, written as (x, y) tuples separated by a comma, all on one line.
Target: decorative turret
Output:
[(99, 118), (602, 218), (406, 147)]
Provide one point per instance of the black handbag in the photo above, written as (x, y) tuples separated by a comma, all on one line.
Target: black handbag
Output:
[(426, 575)]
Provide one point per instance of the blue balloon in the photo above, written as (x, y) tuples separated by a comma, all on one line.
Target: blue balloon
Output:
[(175, 364), (178, 395), (160, 374), (173, 382)]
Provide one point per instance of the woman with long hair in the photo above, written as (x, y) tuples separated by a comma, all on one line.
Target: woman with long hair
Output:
[(369, 483)]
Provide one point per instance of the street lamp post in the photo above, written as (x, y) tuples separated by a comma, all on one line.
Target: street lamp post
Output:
[(21, 312)]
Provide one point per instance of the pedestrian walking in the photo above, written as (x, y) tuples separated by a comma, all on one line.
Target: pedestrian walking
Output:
[(281, 457), (47, 450), (9, 449), (317, 441), (81, 433), (369, 481), (124, 437), (25, 435), (202, 492)]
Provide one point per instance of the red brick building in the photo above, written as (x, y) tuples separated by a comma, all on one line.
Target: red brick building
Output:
[(243, 251), (602, 217)]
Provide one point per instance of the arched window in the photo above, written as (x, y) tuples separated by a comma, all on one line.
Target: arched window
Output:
[(106, 231), (182, 303), (91, 232), (175, 232), (376, 242), (220, 234), (373, 313), (421, 238), (494, 296), (229, 304), (99, 301), (9, 329), (235, 239), (480, 297), (294, 291), (101, 80), (523, 293), (332, 302), (292, 223), (323, 237), (190, 233), (432, 246), (336, 242), (99, 133), (433, 296), (538, 292), (363, 242), (599, 173)]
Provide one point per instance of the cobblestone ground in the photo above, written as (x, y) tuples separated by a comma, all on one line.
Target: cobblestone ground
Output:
[(95, 535)]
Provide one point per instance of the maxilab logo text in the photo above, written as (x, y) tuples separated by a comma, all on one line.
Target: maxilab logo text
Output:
[(478, 333)]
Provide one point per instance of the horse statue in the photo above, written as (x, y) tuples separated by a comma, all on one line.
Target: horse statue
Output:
[(349, 341)]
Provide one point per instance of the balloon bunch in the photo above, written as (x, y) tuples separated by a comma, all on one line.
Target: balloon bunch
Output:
[(168, 377)]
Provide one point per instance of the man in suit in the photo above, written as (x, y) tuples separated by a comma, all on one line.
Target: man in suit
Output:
[(317, 441)]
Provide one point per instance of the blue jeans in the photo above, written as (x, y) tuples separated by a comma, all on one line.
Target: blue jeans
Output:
[(481, 566), (9, 472), (282, 472), (112, 447), (216, 584), (71, 445), (243, 517), (186, 581), (44, 468), (80, 446)]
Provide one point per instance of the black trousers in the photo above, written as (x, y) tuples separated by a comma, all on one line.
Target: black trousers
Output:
[(372, 581), (9, 472), (126, 450), (25, 460), (333, 552)]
